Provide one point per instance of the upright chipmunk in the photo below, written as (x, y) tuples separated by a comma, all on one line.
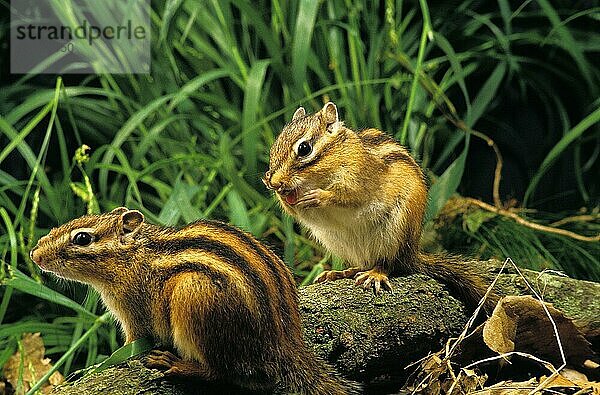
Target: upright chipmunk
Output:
[(363, 197), (222, 300)]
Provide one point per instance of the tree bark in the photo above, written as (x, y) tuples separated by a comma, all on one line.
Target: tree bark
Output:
[(368, 338)]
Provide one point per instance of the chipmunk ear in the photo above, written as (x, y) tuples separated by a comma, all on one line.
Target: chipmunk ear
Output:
[(131, 221), (119, 210), (330, 113), (300, 112)]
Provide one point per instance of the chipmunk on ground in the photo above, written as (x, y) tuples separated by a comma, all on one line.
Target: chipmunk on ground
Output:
[(363, 197), (216, 295)]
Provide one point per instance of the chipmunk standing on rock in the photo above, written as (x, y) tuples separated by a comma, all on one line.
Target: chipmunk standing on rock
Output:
[(363, 197), (222, 300)]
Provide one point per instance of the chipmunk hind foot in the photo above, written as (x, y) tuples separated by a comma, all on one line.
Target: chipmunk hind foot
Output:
[(375, 278)]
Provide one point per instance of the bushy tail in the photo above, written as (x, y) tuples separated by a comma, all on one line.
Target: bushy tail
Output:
[(463, 279), (309, 375)]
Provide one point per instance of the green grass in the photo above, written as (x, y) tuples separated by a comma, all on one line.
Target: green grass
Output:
[(191, 139)]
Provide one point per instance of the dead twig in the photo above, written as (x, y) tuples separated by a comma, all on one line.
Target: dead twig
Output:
[(532, 225), (576, 218), (505, 356), (459, 123)]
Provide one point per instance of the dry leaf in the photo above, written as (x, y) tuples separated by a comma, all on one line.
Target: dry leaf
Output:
[(499, 330), (34, 365), (573, 375), (557, 381), (520, 323), (580, 380), (511, 388), (467, 382), (436, 377)]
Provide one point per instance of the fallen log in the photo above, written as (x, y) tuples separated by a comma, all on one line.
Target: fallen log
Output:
[(369, 338)]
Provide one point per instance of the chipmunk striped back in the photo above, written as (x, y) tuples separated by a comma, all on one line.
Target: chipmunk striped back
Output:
[(222, 300), (227, 256), (385, 147)]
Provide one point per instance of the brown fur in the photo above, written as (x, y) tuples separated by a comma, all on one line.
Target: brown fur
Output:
[(363, 196), (212, 292)]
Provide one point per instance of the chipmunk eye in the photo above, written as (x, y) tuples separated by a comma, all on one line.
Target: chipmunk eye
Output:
[(304, 148), (83, 239)]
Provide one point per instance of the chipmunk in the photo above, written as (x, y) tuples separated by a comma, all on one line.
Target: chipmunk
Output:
[(221, 299), (363, 197)]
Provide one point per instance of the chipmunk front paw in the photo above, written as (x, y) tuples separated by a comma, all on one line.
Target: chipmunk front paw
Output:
[(373, 278), (313, 198)]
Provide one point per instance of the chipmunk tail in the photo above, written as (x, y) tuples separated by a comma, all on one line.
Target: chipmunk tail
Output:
[(464, 279), (308, 374)]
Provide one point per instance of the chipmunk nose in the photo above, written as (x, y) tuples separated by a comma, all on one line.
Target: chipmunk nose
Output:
[(275, 180), (35, 256), (272, 180)]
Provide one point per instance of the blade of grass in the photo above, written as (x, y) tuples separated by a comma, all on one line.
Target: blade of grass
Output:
[(251, 109), (445, 46), (447, 183), (569, 44), (558, 149), (53, 329), (486, 94), (303, 32), (171, 7), (90, 305), (12, 236), (20, 281), (425, 33), (129, 350), (35, 163), (24, 149), (238, 213), (179, 204)]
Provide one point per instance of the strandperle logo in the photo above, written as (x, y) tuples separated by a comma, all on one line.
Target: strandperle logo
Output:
[(84, 31), (80, 36)]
